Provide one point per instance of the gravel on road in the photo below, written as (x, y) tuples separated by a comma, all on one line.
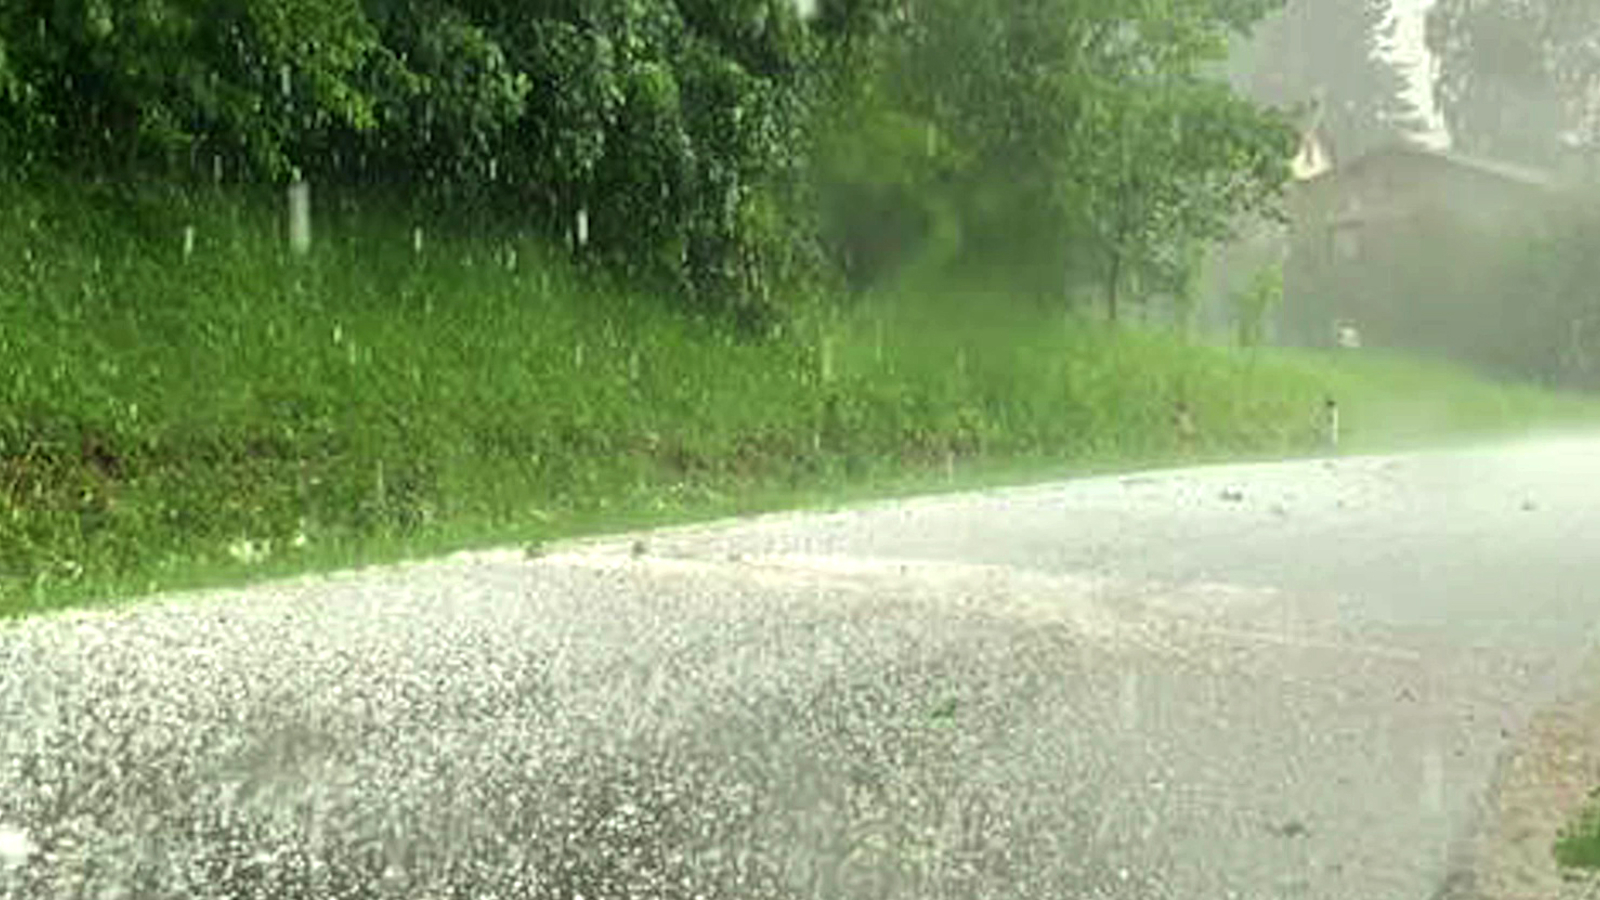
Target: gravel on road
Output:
[(1295, 680)]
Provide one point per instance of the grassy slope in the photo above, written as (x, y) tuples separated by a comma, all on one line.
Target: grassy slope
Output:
[(1579, 845), (369, 402)]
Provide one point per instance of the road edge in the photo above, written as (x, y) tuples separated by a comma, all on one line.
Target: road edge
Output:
[(1542, 780)]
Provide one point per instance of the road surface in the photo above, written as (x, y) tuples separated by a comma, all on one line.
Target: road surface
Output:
[(1267, 681)]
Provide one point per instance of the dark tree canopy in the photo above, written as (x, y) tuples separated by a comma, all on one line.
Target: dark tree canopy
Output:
[(1520, 81), (716, 147), (1329, 53)]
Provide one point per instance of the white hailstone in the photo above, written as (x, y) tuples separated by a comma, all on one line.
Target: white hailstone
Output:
[(15, 847)]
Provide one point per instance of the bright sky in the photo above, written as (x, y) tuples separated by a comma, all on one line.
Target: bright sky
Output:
[(1410, 51)]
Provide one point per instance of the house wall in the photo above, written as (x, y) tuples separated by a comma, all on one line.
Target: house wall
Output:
[(1396, 243)]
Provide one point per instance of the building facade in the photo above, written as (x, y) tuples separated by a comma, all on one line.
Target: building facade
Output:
[(1399, 245)]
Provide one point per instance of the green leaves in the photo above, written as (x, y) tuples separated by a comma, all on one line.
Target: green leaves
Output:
[(1083, 131), (117, 86), (705, 146)]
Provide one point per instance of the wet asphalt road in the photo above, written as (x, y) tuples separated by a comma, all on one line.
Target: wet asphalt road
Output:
[(1276, 681)]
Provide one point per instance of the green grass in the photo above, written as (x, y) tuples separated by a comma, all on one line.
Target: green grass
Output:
[(368, 403), (1579, 844)]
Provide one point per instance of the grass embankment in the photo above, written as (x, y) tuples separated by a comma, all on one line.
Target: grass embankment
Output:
[(1579, 846), (169, 421)]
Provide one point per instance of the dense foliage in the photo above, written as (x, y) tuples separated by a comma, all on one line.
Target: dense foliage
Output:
[(1520, 81), (1077, 133), (1539, 294), (720, 148), (1333, 54)]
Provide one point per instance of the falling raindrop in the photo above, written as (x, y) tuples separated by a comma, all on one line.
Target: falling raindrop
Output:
[(1130, 700), (283, 79), (15, 847), (416, 240), (1433, 781), (188, 241), (582, 226)]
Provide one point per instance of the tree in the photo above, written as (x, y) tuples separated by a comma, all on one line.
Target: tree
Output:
[(447, 95), (1518, 80), (114, 87), (1330, 53), (1176, 167), (675, 126), (1078, 130), (700, 140), (677, 129)]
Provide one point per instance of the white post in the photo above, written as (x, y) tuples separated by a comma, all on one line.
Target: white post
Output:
[(299, 214), (583, 227)]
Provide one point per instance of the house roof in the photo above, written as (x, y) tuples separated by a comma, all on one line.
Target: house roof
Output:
[(1311, 158), (1505, 171)]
